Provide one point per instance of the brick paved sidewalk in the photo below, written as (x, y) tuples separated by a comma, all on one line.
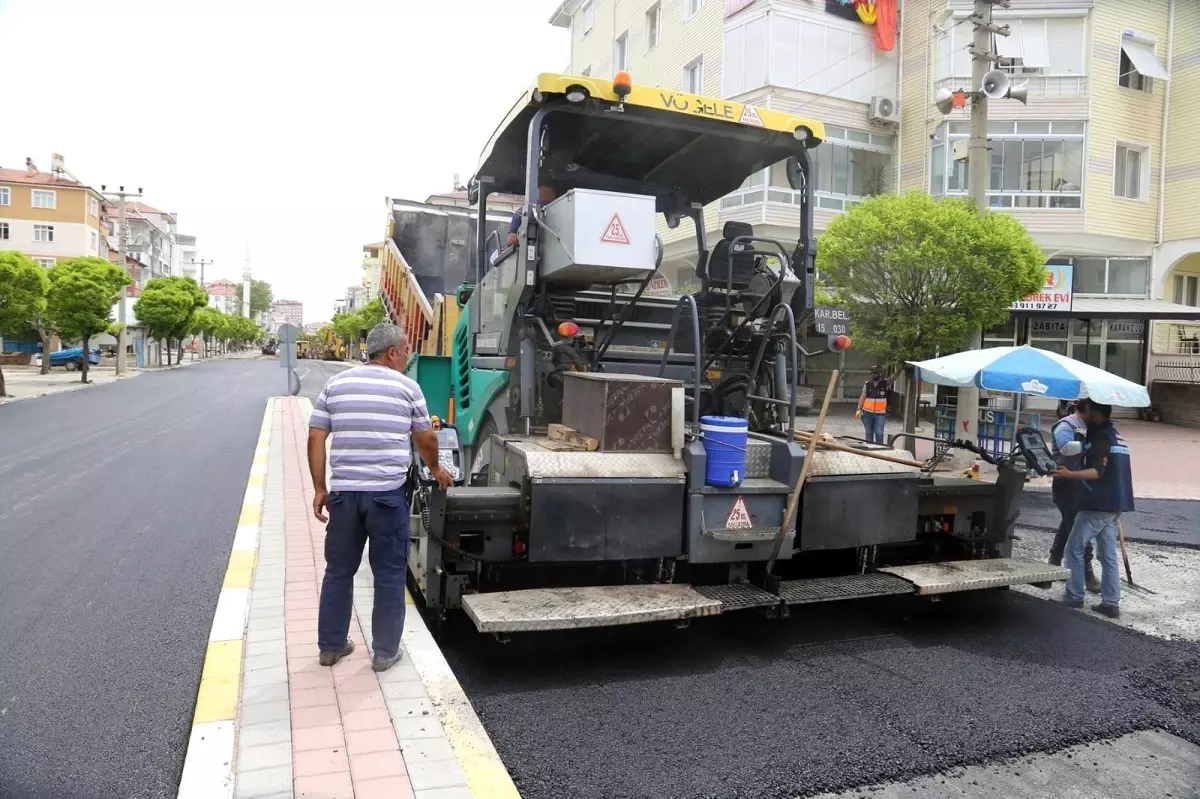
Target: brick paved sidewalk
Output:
[(308, 731)]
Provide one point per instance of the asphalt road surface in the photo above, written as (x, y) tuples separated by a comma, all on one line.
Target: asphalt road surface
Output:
[(1167, 521), (838, 696), (117, 510)]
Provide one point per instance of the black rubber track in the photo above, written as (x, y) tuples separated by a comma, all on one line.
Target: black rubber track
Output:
[(838, 696)]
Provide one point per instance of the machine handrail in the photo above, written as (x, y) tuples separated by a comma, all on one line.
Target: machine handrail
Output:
[(784, 265), (620, 318), (791, 359), (662, 368)]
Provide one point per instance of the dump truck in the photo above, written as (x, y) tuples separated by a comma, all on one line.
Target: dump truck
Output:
[(620, 457)]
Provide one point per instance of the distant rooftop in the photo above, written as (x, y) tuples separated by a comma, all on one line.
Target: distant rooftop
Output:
[(39, 178)]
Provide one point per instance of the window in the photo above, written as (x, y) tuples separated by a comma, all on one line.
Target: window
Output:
[(1129, 178), (1048, 53), (1121, 276), (95, 207), (621, 53), (1139, 65), (745, 60), (653, 26), (693, 77), (43, 233), (693, 6), (46, 262), (1187, 289), (44, 199), (5, 195), (816, 57), (1033, 164), (3, 231), (95, 240), (587, 14)]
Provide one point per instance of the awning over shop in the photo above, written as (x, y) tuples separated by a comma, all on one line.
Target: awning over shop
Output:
[(1114, 308), (1141, 53)]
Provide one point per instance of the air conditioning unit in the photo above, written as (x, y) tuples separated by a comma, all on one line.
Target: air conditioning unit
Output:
[(884, 110)]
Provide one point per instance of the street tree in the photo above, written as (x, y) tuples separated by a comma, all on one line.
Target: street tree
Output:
[(207, 322), (81, 297), (23, 287), (195, 299), (919, 275), (261, 296), (372, 314), (164, 308)]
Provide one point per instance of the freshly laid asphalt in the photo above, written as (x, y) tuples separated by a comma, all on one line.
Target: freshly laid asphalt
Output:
[(1164, 521), (117, 510), (838, 696)]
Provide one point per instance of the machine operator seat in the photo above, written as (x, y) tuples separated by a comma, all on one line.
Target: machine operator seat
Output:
[(716, 271)]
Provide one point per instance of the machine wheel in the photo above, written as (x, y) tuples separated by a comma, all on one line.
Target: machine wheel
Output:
[(482, 456)]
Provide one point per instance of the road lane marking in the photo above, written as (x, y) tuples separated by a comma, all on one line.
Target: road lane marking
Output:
[(208, 766)]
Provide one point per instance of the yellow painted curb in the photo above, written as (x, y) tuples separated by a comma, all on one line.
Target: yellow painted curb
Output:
[(218, 696), (211, 746), (240, 571)]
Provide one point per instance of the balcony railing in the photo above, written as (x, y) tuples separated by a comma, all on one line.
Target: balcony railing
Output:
[(1040, 86)]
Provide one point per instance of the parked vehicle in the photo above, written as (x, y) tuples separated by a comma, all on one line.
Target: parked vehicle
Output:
[(72, 359)]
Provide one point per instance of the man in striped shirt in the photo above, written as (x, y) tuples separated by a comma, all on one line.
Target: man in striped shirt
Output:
[(372, 410)]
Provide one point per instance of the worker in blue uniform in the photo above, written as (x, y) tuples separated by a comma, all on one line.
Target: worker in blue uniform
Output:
[(1067, 439), (1106, 492)]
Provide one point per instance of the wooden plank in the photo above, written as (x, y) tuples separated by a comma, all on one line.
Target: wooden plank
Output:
[(571, 436)]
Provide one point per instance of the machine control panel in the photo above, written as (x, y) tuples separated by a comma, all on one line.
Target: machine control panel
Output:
[(449, 455), (1037, 454)]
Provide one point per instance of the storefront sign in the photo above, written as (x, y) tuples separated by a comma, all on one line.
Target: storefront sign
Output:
[(1134, 327), (1057, 327), (830, 321), (1055, 295), (659, 286)]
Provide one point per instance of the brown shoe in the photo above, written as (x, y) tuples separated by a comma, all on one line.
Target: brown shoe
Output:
[(1090, 581), (329, 658)]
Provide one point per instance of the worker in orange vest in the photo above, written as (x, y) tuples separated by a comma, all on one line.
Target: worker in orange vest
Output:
[(872, 405)]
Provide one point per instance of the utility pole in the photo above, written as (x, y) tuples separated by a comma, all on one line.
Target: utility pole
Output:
[(122, 336), (978, 171), (202, 263)]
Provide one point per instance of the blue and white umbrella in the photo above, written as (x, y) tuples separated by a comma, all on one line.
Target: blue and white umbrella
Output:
[(1033, 372)]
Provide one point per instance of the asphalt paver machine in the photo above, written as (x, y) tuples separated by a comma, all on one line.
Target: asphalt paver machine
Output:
[(586, 418)]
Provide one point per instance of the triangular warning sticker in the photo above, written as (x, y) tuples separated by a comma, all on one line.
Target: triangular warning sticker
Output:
[(750, 117), (615, 232), (739, 517)]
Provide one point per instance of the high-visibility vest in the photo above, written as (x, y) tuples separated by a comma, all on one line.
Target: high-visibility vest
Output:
[(875, 396)]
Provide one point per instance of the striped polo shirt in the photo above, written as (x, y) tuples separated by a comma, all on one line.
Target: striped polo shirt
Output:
[(371, 411)]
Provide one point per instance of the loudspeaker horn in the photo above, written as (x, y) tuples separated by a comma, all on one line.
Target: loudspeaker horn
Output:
[(1019, 93), (995, 85), (944, 100)]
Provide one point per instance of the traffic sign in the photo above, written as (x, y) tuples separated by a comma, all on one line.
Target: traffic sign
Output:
[(831, 321)]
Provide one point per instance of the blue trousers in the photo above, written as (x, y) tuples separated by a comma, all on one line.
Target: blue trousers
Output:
[(873, 424), (1101, 527), (354, 518)]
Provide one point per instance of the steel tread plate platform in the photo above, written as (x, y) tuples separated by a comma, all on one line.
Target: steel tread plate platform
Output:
[(831, 463), (746, 533), (591, 606), (850, 586), (738, 596), (544, 463), (972, 575)]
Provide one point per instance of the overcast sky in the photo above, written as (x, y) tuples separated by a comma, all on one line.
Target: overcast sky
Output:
[(285, 121)]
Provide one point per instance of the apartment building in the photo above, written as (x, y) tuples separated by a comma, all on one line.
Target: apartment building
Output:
[(371, 267), (48, 215), (150, 239), (223, 295), (1100, 165), (289, 311)]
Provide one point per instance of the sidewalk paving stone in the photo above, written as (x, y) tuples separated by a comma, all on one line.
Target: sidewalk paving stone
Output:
[(305, 730)]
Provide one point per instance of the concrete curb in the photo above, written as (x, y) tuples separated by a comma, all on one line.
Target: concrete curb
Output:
[(485, 773), (208, 766), (68, 389)]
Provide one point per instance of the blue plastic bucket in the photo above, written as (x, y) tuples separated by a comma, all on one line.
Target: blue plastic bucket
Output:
[(724, 439)]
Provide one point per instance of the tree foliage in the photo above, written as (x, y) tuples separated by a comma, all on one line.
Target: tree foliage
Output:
[(23, 287), (919, 275), (81, 297), (348, 324), (261, 297)]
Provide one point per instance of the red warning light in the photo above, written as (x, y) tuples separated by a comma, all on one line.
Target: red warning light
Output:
[(840, 343), (568, 330)]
